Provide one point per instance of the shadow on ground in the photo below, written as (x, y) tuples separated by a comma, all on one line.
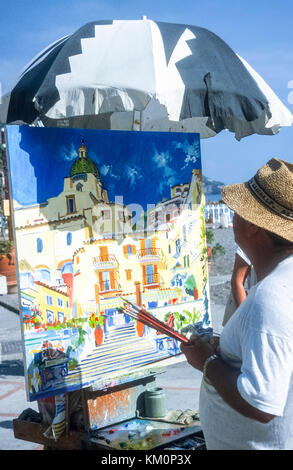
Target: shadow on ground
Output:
[(6, 424), (13, 367)]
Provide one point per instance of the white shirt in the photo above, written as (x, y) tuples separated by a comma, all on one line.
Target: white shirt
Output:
[(257, 339), (251, 277)]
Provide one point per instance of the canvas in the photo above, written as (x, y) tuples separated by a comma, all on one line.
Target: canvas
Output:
[(99, 215)]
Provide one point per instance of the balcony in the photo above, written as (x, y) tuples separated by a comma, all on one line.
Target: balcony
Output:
[(149, 254), (105, 262), (108, 286)]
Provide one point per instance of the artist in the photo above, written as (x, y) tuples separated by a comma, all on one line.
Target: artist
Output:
[(246, 396)]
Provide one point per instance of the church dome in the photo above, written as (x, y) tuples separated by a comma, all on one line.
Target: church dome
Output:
[(83, 165)]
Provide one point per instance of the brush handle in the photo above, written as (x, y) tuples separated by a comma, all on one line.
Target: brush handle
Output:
[(149, 320)]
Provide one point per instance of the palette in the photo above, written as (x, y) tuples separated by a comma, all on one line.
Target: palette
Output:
[(142, 434)]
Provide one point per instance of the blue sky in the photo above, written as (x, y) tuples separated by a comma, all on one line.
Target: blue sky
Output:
[(154, 161), (260, 31)]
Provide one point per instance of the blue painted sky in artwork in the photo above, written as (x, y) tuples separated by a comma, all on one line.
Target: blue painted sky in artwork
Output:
[(139, 166)]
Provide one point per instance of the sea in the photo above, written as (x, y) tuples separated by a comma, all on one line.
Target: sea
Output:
[(213, 197)]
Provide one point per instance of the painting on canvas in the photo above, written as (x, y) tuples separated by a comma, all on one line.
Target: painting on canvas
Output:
[(99, 215)]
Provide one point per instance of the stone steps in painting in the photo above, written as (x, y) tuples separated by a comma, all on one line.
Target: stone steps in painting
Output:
[(120, 334), (122, 349)]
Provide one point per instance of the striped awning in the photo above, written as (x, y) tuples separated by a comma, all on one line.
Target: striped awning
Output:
[(150, 296)]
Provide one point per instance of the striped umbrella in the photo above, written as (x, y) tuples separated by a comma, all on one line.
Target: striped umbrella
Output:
[(144, 75)]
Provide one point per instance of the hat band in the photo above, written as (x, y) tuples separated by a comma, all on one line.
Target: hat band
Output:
[(268, 201)]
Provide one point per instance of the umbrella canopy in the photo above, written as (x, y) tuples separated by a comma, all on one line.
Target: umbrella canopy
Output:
[(145, 75)]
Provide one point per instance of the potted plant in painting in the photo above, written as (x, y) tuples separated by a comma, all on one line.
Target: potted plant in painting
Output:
[(96, 321), (190, 287)]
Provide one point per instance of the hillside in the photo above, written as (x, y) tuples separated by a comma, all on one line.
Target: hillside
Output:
[(211, 186)]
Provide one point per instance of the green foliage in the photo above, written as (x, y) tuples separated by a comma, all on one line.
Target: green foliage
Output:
[(179, 320), (218, 250), (202, 233), (68, 351), (72, 323), (190, 285), (72, 364), (96, 320), (210, 236), (75, 322), (5, 246), (78, 340), (191, 318), (184, 318)]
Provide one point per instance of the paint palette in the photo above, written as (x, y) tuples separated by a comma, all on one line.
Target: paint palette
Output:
[(142, 434)]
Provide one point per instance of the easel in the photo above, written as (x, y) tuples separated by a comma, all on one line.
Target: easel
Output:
[(98, 410)]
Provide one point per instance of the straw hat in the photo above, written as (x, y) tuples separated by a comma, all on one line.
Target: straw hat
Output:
[(266, 200)]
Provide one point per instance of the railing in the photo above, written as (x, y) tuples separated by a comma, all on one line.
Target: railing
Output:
[(214, 212), (151, 279), (100, 261), (148, 252)]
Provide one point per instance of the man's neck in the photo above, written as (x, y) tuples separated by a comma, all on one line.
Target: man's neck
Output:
[(264, 262)]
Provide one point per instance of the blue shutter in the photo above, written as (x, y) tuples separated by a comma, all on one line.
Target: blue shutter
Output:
[(39, 245), (69, 238)]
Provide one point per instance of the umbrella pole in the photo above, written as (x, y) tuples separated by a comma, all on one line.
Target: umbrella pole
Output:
[(8, 210)]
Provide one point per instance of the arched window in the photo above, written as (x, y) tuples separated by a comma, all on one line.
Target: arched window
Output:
[(43, 275), (39, 245), (69, 238), (67, 268)]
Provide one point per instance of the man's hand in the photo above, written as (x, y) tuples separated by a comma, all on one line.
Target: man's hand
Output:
[(222, 376), (198, 351)]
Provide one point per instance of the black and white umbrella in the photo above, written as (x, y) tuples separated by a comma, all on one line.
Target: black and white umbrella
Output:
[(144, 75)]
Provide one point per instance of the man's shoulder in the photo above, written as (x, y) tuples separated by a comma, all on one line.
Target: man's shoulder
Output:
[(271, 306), (279, 281)]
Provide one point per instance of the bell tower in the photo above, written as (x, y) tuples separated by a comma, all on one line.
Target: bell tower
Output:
[(82, 151)]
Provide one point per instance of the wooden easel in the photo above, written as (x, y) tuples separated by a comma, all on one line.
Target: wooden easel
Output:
[(99, 410)]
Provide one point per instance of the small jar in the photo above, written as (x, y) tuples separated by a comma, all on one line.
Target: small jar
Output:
[(155, 403)]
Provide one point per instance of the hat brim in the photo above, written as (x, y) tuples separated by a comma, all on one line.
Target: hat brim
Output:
[(240, 199)]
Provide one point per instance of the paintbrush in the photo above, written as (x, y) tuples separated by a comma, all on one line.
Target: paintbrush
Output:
[(128, 311), (146, 318), (166, 331), (143, 314), (154, 323)]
